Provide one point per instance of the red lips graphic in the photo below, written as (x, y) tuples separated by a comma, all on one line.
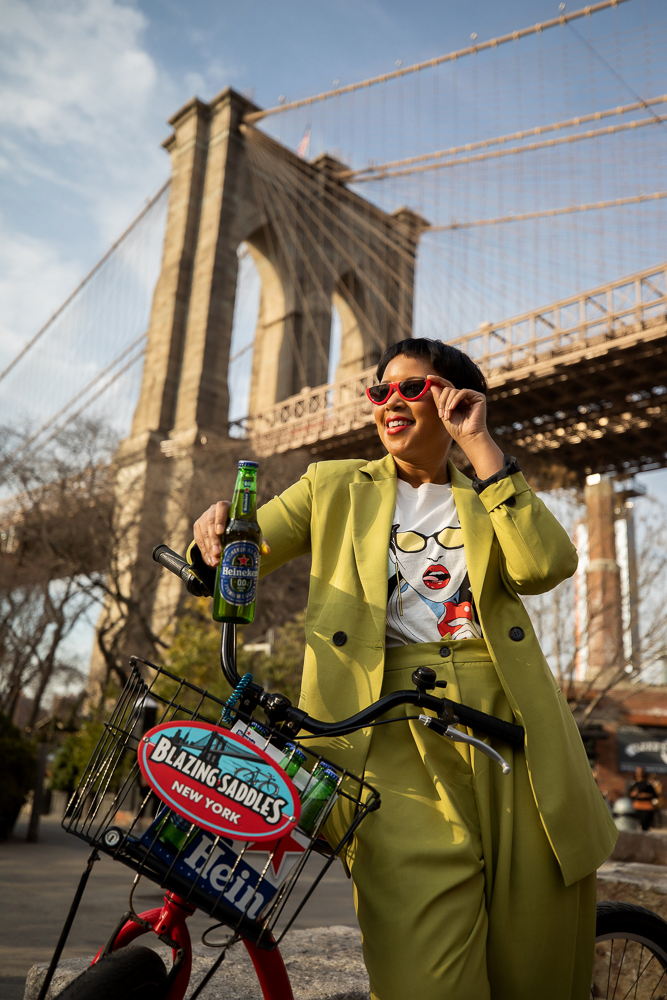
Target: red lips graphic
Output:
[(436, 577)]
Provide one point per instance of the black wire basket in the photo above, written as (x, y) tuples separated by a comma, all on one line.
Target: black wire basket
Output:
[(245, 885)]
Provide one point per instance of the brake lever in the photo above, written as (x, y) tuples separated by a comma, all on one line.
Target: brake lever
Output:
[(458, 737)]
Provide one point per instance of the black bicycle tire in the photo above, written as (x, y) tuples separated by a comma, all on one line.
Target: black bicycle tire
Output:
[(133, 973), (628, 923)]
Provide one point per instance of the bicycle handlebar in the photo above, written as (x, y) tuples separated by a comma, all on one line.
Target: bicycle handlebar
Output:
[(453, 711), (177, 565), (447, 710)]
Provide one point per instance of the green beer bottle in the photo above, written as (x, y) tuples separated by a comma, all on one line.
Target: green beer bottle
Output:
[(176, 832), (293, 760), (315, 798), (236, 578)]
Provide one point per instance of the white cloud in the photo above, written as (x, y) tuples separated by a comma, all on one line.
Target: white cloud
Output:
[(22, 258), (78, 95), (69, 66), (82, 104)]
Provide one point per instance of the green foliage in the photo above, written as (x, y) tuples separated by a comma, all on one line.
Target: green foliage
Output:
[(282, 670), (195, 654), (17, 766), (72, 756)]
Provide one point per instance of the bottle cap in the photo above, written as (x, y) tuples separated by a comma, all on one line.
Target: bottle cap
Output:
[(324, 771), (248, 465), (259, 728), (327, 778)]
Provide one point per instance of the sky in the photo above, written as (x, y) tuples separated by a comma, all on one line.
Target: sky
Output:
[(87, 87)]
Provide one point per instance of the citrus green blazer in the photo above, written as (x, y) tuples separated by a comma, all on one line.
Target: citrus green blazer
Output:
[(341, 512)]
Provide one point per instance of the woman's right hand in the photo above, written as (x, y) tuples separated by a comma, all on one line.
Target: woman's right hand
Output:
[(208, 529)]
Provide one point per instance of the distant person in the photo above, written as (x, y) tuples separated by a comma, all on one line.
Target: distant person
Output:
[(654, 779), (644, 797)]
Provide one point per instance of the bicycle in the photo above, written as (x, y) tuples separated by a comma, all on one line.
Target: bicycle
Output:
[(117, 811), (254, 777)]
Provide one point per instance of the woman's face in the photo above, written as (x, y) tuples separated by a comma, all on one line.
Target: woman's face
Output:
[(410, 431)]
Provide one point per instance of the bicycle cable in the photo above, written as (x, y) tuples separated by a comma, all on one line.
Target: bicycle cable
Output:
[(218, 944), (235, 696), (137, 880), (369, 725), (218, 962)]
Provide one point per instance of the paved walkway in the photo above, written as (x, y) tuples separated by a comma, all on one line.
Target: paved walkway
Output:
[(38, 881)]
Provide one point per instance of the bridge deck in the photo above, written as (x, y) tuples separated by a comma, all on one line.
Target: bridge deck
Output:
[(584, 379)]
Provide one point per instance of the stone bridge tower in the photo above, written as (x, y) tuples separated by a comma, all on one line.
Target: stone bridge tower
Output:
[(316, 245)]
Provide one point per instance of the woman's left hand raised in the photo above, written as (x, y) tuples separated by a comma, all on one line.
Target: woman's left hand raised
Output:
[(462, 411), (463, 414)]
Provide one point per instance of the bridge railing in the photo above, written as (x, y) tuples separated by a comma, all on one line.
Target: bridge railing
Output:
[(605, 313), (312, 415)]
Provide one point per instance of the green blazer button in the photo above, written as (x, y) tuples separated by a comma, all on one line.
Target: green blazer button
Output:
[(339, 638), (516, 633), (510, 502)]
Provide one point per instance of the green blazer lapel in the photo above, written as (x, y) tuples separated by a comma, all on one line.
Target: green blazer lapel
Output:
[(478, 533), (372, 504)]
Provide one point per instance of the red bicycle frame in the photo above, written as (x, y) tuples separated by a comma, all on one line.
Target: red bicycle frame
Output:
[(169, 923)]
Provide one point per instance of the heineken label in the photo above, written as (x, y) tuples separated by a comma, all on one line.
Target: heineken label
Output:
[(246, 502), (239, 572)]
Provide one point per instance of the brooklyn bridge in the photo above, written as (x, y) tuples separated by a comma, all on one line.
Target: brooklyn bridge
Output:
[(301, 240)]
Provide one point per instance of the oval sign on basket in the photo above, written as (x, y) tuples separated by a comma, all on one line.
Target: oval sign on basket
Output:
[(219, 781)]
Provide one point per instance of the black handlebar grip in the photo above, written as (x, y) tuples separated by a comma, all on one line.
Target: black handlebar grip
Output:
[(508, 732), (170, 559), (179, 567)]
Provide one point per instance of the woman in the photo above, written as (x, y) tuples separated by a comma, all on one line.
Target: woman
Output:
[(468, 883)]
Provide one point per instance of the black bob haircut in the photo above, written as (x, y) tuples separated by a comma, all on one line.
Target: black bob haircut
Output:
[(445, 360)]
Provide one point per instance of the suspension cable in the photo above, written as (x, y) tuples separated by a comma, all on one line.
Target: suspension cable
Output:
[(493, 43)]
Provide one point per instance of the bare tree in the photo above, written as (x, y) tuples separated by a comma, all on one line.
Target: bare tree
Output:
[(565, 621), (53, 549), (80, 527), (35, 622)]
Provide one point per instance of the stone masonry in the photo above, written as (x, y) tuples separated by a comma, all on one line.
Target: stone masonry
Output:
[(180, 426)]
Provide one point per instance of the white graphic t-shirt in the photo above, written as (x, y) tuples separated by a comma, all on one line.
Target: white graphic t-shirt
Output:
[(429, 591)]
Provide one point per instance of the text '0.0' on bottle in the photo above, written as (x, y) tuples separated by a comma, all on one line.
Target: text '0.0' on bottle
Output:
[(238, 570)]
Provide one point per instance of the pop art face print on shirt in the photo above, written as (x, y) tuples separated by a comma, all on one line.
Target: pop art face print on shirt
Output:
[(429, 592)]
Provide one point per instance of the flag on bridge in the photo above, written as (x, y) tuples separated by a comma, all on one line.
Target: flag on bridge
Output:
[(303, 148)]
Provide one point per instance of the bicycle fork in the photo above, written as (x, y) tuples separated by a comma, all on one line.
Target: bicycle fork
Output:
[(169, 923)]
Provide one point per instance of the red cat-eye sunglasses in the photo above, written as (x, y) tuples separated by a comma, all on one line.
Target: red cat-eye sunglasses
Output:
[(409, 390)]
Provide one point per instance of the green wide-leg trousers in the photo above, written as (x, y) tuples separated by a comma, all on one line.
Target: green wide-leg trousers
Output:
[(458, 892)]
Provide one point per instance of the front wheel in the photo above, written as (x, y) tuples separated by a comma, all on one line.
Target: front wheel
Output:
[(630, 953), (134, 973)]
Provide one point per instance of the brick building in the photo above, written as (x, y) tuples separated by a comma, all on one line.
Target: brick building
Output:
[(629, 730)]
